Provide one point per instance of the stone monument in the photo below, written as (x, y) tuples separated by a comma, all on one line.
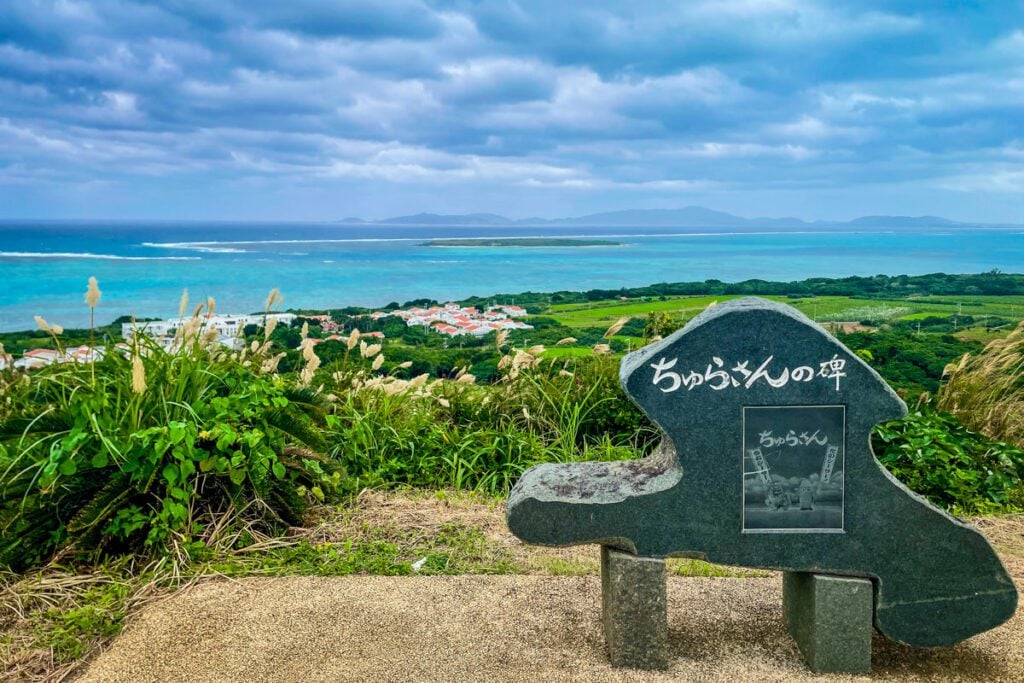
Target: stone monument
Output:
[(766, 462)]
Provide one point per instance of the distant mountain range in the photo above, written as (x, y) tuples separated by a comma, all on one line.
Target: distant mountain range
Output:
[(687, 217)]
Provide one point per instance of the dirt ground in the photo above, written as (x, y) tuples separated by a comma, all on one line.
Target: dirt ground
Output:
[(532, 627)]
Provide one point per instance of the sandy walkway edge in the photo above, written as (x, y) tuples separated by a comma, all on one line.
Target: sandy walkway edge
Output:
[(489, 628)]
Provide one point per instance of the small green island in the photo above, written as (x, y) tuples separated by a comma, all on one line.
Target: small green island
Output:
[(520, 242)]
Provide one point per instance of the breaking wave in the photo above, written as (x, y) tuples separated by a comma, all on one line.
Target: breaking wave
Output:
[(87, 255)]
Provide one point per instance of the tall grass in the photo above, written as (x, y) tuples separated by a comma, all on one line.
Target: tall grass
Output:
[(388, 432), (163, 445), (986, 391), (144, 448)]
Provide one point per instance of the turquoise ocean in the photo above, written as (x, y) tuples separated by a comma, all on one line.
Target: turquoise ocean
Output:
[(143, 267)]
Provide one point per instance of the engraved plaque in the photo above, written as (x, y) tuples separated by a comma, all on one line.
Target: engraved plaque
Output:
[(793, 474)]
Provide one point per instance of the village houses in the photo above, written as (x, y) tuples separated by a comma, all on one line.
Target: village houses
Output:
[(452, 319)]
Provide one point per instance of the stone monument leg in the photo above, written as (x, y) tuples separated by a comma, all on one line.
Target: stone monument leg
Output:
[(830, 618), (634, 609)]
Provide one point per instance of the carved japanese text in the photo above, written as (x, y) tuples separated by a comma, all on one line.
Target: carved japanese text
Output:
[(719, 375)]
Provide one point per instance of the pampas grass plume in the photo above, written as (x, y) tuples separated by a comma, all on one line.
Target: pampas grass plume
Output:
[(138, 375), (93, 293), (614, 329), (273, 298)]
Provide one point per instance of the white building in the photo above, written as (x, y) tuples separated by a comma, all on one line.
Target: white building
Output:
[(34, 359), (226, 325)]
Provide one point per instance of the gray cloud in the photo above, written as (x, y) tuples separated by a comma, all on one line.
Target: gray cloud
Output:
[(536, 108)]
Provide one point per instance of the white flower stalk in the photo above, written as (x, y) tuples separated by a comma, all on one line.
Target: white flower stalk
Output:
[(209, 339), (523, 359), (353, 339), (138, 375), (43, 325), (369, 350), (269, 328), (614, 329), (270, 364), (183, 304), (567, 340), (211, 305), (399, 386), (92, 293), (312, 363), (377, 362), (273, 298), (190, 330), (305, 330)]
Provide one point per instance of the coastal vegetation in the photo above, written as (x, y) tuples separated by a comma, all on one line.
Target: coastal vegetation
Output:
[(157, 465)]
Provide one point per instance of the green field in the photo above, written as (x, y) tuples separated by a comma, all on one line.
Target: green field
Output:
[(822, 308), (566, 351)]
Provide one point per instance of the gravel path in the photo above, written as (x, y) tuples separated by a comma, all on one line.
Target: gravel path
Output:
[(489, 628)]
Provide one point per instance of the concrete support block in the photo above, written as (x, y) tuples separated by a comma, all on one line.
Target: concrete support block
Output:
[(830, 618), (634, 609)]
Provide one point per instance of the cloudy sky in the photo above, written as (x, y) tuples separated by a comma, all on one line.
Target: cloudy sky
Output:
[(320, 109)]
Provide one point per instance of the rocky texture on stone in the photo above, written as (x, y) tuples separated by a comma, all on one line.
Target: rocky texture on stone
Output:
[(634, 610), (830, 618)]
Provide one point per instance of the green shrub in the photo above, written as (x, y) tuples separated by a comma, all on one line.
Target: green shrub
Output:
[(131, 453), (955, 468)]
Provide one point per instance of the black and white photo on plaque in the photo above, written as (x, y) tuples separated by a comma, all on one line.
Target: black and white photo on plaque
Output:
[(793, 459)]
